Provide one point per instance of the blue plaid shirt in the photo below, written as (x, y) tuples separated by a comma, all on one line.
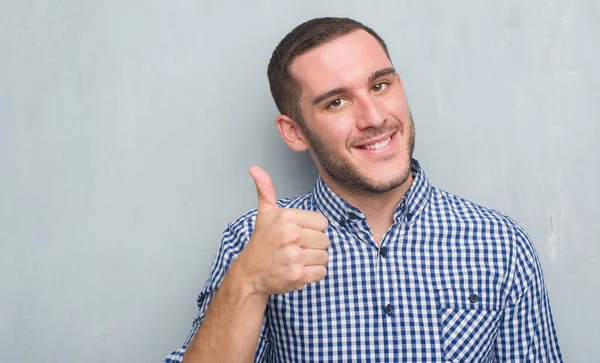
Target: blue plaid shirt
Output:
[(450, 282)]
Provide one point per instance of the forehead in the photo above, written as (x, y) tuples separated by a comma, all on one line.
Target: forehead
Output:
[(347, 61)]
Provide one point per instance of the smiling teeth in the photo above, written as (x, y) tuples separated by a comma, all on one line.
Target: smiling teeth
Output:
[(379, 145)]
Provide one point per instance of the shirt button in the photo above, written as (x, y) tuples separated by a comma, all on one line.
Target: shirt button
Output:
[(383, 251), (473, 298), (351, 215), (408, 216), (342, 223), (389, 309)]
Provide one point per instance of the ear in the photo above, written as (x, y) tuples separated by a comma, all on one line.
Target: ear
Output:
[(291, 133)]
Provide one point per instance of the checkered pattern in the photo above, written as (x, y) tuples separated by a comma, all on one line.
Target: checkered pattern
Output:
[(451, 282)]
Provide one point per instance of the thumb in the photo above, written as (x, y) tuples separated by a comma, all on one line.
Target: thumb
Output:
[(264, 188)]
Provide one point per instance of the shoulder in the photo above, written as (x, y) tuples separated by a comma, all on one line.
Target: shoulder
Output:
[(470, 214), (494, 226)]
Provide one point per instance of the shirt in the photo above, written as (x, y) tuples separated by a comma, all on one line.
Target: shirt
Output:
[(451, 281)]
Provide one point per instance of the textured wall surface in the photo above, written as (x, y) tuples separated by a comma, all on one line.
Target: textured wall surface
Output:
[(127, 127)]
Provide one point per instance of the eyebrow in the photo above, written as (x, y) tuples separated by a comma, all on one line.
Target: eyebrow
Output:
[(336, 91)]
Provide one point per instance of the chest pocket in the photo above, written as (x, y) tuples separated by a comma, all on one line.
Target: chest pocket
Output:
[(469, 321)]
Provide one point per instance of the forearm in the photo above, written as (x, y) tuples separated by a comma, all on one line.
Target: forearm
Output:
[(231, 328)]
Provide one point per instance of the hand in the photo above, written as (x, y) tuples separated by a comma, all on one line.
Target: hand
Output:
[(288, 248)]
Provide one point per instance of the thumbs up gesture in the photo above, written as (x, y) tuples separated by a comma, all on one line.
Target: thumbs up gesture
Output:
[(288, 248)]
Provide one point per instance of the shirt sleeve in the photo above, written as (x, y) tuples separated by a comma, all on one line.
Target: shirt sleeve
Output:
[(234, 239), (527, 332)]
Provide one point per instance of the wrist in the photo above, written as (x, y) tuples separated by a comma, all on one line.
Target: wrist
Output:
[(244, 281)]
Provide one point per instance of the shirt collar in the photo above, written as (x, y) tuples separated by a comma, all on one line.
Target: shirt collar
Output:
[(338, 211)]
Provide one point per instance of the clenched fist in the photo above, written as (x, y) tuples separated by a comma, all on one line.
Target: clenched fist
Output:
[(288, 248)]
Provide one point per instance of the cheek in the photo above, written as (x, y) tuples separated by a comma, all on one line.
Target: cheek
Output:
[(398, 108), (335, 129)]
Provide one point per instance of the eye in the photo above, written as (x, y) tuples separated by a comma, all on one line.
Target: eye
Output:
[(337, 103), (380, 86)]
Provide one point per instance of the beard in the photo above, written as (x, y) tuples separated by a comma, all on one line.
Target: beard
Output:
[(347, 174)]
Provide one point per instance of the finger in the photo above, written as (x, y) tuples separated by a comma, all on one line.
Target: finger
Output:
[(264, 188), (312, 257), (311, 239), (314, 273), (311, 220)]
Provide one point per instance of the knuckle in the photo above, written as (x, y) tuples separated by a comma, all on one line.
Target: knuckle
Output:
[(287, 215), (297, 275), (290, 234), (293, 255)]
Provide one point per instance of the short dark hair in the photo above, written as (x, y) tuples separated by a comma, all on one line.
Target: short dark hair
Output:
[(306, 36)]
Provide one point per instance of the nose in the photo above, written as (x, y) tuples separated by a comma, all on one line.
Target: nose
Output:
[(369, 113)]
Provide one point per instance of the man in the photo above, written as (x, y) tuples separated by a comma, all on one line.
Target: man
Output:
[(375, 264)]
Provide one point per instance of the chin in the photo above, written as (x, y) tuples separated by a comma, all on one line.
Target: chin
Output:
[(382, 181), (386, 185)]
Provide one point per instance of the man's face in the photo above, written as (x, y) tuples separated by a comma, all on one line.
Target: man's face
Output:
[(356, 114)]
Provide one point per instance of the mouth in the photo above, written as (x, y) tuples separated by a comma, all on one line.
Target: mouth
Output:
[(377, 144)]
